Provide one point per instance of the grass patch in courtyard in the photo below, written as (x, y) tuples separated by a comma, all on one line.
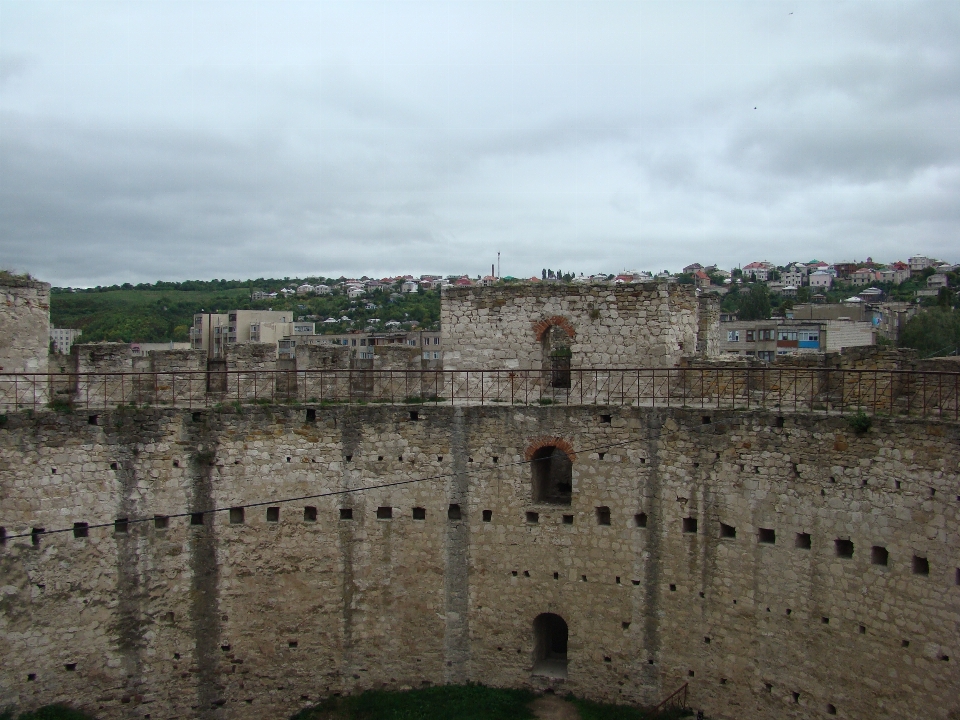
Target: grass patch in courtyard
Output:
[(451, 702)]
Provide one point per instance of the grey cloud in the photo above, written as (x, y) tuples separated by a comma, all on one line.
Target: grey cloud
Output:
[(386, 137)]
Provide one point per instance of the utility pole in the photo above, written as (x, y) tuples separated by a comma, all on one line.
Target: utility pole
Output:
[(498, 264)]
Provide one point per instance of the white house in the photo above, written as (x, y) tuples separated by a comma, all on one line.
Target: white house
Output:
[(821, 279)]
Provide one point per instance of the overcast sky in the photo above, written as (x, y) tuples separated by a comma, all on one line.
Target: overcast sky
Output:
[(184, 139)]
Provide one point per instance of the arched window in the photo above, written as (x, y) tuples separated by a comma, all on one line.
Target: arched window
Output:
[(550, 645), (552, 475)]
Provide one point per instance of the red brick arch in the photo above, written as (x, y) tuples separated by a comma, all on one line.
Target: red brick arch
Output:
[(544, 441), (541, 327)]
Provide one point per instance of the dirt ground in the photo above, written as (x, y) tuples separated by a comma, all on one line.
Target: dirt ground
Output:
[(550, 707)]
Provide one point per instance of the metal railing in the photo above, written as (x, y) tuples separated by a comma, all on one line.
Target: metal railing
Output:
[(833, 391), (677, 700)]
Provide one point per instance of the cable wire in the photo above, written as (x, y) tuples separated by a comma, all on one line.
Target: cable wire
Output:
[(281, 501)]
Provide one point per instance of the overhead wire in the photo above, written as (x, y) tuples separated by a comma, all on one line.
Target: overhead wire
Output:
[(298, 498)]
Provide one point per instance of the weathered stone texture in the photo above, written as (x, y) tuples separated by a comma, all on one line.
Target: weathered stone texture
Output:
[(24, 325), (626, 326), (256, 619)]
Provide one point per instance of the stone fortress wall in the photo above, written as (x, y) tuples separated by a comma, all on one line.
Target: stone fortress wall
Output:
[(624, 326), (24, 324), (712, 548)]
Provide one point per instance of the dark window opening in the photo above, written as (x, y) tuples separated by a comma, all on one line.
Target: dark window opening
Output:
[(831, 710), (496, 459), (414, 415), (705, 419), (384, 513), (310, 514), (640, 520), (35, 534), (453, 512), (603, 515), (552, 476), (556, 576), (292, 643), (236, 516), (879, 555), (601, 455), (863, 630), (550, 646), (120, 526), (625, 625), (196, 518), (778, 422), (606, 419), (727, 531), (93, 419), (160, 522), (176, 463), (379, 458), (533, 517), (803, 541), (311, 415), (825, 620), (767, 535), (921, 566), (673, 587), (197, 417), (568, 519), (420, 513), (905, 643), (844, 548), (70, 667), (273, 514), (80, 529), (31, 676), (796, 697), (956, 576), (113, 466), (3, 536), (346, 513), (487, 515), (526, 573), (690, 525)]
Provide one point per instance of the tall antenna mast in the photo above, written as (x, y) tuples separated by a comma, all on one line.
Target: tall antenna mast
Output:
[(498, 264)]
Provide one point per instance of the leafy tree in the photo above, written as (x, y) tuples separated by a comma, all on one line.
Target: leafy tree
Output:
[(755, 304), (803, 294), (932, 332)]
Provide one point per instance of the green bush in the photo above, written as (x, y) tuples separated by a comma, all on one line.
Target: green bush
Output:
[(860, 423)]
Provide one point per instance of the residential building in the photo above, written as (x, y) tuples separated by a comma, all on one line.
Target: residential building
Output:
[(845, 270), (62, 339), (758, 270), (937, 281), (768, 339), (795, 277), (894, 275), (862, 276), (214, 331), (889, 318), (821, 279), (919, 263)]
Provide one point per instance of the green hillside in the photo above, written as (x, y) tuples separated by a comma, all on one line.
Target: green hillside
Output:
[(164, 311)]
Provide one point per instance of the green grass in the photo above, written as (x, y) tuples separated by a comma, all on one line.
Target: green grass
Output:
[(447, 702), (460, 702), (50, 712), (590, 710)]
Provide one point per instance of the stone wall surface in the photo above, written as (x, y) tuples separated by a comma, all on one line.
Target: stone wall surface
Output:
[(24, 325), (625, 326), (719, 566)]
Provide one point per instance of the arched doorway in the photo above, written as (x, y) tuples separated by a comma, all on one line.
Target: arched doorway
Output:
[(550, 645)]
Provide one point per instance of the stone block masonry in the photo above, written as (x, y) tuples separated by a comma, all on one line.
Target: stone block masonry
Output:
[(783, 565), (626, 326)]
